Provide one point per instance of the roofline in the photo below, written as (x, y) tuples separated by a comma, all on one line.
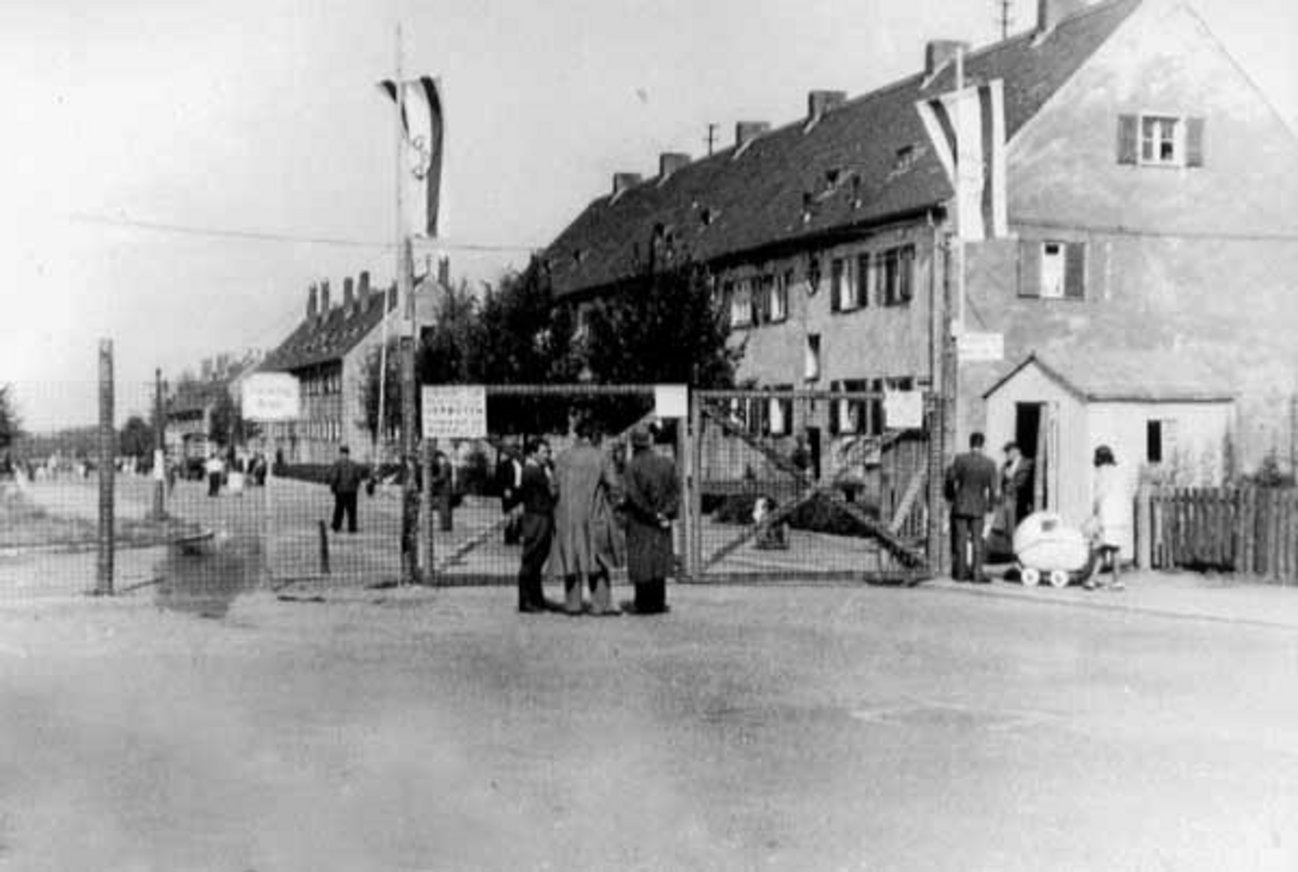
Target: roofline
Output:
[(1206, 396)]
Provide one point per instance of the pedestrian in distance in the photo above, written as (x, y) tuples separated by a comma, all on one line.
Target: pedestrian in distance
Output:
[(215, 468), (1016, 487), (537, 494), (345, 478), (509, 480), (652, 502), (1111, 515), (971, 482), (586, 547)]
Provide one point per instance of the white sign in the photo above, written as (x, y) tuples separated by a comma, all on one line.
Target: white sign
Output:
[(271, 396), (903, 410), (454, 411), (671, 401), (980, 347)]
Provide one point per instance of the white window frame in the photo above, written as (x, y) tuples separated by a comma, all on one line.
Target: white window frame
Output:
[(1054, 269), (1150, 137), (811, 357), (778, 304), (741, 304)]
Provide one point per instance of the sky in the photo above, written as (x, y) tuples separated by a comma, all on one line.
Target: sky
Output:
[(176, 175)]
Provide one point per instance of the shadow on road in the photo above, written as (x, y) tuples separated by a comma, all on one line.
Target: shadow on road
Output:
[(205, 580)]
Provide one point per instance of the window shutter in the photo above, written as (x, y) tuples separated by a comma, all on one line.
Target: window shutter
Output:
[(1128, 138), (863, 280), (1194, 142), (1075, 271), (1029, 268)]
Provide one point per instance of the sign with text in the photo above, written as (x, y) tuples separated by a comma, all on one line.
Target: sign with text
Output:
[(271, 396), (980, 347), (671, 401), (454, 411), (903, 410)]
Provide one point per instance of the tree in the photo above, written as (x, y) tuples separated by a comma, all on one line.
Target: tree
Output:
[(446, 348), (226, 425), (136, 439), (10, 422)]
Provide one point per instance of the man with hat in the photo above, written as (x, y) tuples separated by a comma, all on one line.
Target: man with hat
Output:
[(653, 500)]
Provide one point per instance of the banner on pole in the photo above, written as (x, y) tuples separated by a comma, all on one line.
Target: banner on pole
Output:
[(420, 102)]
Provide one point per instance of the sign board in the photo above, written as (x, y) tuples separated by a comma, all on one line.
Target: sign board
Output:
[(671, 401), (271, 396), (903, 410), (454, 411), (980, 347)]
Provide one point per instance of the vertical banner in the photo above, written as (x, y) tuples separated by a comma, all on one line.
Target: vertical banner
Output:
[(420, 104)]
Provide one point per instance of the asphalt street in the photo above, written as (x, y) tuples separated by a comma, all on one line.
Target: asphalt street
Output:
[(799, 728)]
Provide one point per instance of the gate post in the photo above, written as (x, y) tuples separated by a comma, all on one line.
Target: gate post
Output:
[(107, 442), (694, 510), (938, 555)]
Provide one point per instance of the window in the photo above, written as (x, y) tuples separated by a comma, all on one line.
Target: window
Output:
[(811, 363), (894, 275), (780, 413), (741, 305), (777, 291), (1161, 140), (846, 415), (761, 302), (1052, 270), (863, 280), (841, 297), (1160, 440)]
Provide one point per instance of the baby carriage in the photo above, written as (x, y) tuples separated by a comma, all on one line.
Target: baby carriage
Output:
[(1046, 548)]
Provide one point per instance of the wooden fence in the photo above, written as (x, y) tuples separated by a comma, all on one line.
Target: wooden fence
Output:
[(1251, 531)]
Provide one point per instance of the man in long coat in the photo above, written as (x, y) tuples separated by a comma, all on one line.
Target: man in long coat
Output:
[(653, 499), (971, 482), (537, 495), (585, 538)]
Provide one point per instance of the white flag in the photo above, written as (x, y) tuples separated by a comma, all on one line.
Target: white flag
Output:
[(423, 125), (967, 128)]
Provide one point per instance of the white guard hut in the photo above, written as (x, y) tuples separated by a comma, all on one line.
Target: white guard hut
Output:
[(1166, 416)]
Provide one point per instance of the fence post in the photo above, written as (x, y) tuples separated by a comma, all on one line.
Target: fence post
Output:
[(1248, 530), (694, 514), (1144, 528), (107, 438), (324, 549), (428, 511), (938, 556), (159, 450)]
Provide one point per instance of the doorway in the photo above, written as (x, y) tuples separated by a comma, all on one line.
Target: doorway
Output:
[(1030, 434)]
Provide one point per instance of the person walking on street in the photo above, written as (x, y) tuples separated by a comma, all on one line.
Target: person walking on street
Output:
[(585, 545), (537, 494), (345, 482), (1111, 514), (652, 501), (972, 485), (215, 468)]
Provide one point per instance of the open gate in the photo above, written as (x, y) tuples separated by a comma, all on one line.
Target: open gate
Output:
[(796, 485)]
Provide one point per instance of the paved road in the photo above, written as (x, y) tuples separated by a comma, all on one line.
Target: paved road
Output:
[(772, 728)]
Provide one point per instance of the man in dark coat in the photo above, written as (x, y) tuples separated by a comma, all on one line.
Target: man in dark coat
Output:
[(1016, 486), (345, 481), (537, 494), (971, 482), (653, 500)]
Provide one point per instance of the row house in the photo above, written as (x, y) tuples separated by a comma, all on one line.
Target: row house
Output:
[(1146, 188)]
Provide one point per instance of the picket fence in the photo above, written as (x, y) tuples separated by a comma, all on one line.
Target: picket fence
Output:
[(1248, 530)]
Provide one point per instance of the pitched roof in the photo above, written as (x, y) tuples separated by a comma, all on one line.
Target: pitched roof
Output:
[(847, 170), (1131, 376), (319, 340)]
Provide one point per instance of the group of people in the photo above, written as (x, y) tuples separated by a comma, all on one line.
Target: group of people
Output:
[(582, 517), (977, 490)]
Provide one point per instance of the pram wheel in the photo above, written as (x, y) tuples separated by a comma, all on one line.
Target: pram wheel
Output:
[(1058, 578), (1031, 576)]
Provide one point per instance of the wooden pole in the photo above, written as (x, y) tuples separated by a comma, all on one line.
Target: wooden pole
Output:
[(107, 442), (428, 511), (159, 450)]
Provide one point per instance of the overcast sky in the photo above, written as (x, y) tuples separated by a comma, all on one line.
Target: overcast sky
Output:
[(260, 118)]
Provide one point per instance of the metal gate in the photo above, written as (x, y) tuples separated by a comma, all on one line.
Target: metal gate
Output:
[(796, 485)]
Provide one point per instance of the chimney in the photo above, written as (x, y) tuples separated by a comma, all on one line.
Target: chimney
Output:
[(444, 271), (324, 299), (820, 102), (623, 182), (747, 131), (939, 51), (349, 297), (312, 303), (363, 291), (1051, 12), (670, 161)]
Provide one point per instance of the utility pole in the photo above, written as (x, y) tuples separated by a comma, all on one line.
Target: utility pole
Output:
[(711, 137), (159, 450), (1005, 19)]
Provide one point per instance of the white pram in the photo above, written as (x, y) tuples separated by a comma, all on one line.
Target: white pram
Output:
[(1046, 548)]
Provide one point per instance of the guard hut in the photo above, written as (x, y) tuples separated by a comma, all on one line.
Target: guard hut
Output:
[(1167, 416)]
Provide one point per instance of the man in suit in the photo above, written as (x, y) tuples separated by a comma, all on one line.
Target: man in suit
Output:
[(653, 499), (971, 482), (537, 493)]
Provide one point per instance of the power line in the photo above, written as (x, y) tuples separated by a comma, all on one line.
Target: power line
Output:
[(269, 236)]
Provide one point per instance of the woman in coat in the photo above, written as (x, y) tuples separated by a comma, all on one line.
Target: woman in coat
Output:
[(653, 500), (1111, 513), (585, 538)]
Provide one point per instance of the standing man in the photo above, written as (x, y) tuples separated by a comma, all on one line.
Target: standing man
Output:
[(345, 480), (653, 498), (215, 468), (537, 494), (509, 479), (1016, 486), (585, 547), (972, 484)]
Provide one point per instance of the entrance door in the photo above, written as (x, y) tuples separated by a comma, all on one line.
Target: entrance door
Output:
[(1031, 433)]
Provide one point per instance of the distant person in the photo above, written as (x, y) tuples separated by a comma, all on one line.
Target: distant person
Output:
[(537, 493), (345, 478), (971, 482), (443, 485), (652, 502), (215, 469), (1111, 514), (1016, 487), (586, 547), (509, 480)]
